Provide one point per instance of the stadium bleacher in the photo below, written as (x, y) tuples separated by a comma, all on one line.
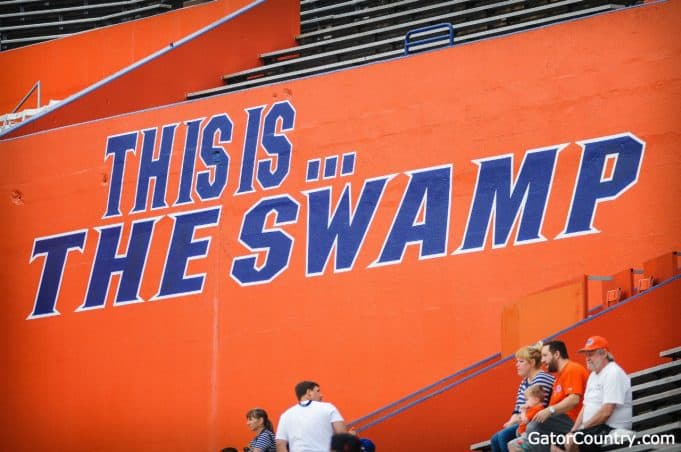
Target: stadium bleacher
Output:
[(24, 22), (656, 393), (657, 403), (346, 34)]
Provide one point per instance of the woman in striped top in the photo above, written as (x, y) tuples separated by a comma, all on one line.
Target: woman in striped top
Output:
[(528, 365), (258, 421)]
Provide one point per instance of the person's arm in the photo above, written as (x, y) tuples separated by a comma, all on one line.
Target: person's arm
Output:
[(514, 419), (523, 414), (337, 421), (338, 427), (567, 404), (563, 406), (578, 421), (602, 415), (263, 443), (520, 399), (282, 445), (546, 382)]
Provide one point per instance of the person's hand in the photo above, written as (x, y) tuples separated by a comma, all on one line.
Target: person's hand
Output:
[(542, 415), (513, 421)]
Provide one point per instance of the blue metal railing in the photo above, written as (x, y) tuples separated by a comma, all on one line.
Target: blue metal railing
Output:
[(444, 26), (422, 394)]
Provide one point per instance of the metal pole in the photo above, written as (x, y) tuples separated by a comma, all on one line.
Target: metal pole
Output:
[(36, 85)]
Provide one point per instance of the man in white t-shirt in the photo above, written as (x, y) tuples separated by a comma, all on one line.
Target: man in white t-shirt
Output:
[(607, 399), (309, 425)]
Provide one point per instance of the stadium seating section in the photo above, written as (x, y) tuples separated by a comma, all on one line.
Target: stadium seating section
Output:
[(656, 393), (337, 35), (24, 22)]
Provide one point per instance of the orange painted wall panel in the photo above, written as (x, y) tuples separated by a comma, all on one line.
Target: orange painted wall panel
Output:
[(623, 280), (63, 68), (538, 315), (196, 65), (67, 65), (661, 267), (180, 372)]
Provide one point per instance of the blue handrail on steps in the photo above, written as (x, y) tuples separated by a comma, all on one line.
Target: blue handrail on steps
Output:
[(423, 393), (447, 26)]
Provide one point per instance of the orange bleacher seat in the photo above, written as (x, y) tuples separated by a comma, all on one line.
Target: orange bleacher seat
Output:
[(613, 296), (644, 284)]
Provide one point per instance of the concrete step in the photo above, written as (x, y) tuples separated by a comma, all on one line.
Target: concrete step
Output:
[(673, 353), (660, 416), (283, 76), (654, 401), (652, 373)]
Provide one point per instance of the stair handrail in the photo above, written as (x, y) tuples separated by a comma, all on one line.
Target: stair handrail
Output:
[(445, 25), (10, 116), (425, 392), (36, 86)]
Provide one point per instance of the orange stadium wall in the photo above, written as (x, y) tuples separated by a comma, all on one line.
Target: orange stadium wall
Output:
[(68, 65), (166, 270), (482, 404), (538, 315), (662, 267), (622, 280)]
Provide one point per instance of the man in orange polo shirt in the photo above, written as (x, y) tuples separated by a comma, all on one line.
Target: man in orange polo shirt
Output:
[(549, 426)]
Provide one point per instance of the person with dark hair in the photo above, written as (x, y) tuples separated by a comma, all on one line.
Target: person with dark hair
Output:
[(607, 402), (566, 397), (229, 449), (345, 442), (258, 421), (558, 347), (303, 387), (309, 425)]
